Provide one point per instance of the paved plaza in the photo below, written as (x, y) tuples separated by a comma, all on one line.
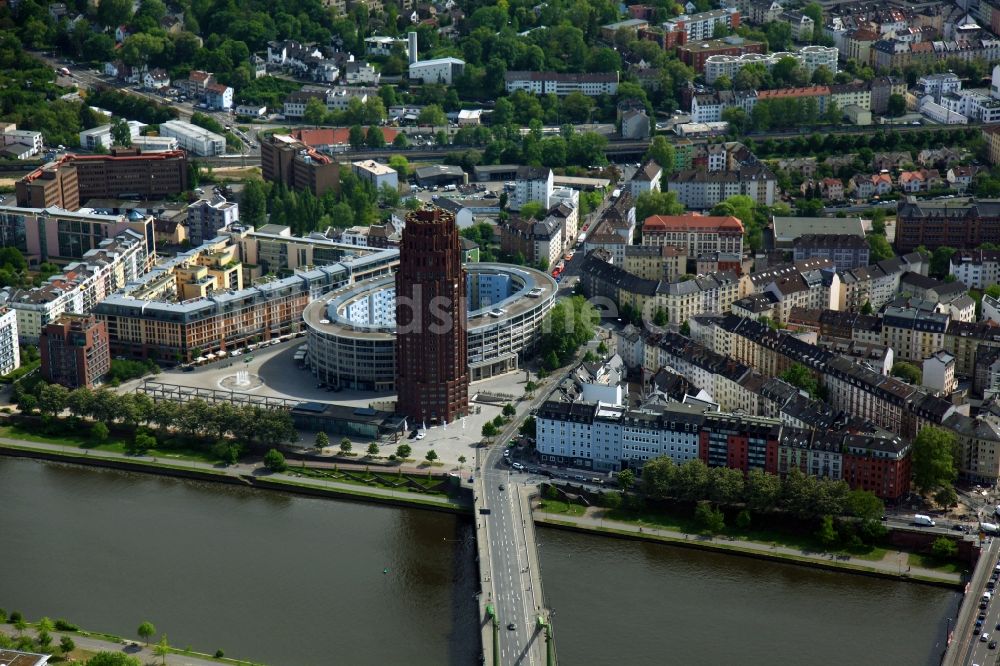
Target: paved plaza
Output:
[(274, 372)]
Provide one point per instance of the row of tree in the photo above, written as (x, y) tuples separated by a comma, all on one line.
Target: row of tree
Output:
[(568, 326), (804, 496), (195, 420)]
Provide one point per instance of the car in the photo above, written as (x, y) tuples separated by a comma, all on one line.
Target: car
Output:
[(982, 616), (580, 478), (983, 605), (501, 486), (517, 466), (977, 631), (979, 622), (990, 585), (957, 527), (511, 627), (413, 435), (992, 645), (421, 435), (984, 638)]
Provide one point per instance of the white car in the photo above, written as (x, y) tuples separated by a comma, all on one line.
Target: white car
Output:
[(421, 435), (517, 466), (985, 638)]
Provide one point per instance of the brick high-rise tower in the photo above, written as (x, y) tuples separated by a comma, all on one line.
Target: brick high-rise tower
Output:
[(432, 361)]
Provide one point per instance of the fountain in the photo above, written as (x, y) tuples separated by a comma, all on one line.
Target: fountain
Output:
[(242, 379)]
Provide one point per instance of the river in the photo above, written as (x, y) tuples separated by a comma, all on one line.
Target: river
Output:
[(297, 581)]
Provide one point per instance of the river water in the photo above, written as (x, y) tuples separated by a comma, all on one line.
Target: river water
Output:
[(296, 581)]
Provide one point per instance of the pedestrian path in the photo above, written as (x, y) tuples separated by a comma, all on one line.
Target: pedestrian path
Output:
[(893, 564), (244, 471)]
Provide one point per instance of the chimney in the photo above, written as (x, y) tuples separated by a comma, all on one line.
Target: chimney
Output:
[(412, 46)]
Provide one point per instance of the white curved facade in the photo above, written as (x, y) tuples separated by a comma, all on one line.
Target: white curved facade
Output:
[(352, 333), (809, 58)]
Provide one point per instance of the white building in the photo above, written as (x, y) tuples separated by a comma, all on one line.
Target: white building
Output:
[(194, 139), (438, 70), (33, 140), (251, 110), (976, 268), (533, 184), (100, 136), (810, 58), (646, 179), (376, 173), (601, 436), (219, 97), (359, 72), (939, 372), (155, 144), (556, 83), (702, 26), (10, 351)]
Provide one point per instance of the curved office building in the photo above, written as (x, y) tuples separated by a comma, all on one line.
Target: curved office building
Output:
[(352, 331)]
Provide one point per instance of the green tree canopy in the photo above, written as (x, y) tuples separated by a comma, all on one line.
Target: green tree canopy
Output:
[(933, 458)]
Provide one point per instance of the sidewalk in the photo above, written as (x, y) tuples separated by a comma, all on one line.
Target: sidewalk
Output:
[(242, 471), (891, 566)]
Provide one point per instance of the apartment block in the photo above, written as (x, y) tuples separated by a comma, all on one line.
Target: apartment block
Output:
[(694, 234), (75, 351), (289, 161), (10, 349), (84, 284)]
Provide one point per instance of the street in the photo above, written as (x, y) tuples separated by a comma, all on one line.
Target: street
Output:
[(979, 650)]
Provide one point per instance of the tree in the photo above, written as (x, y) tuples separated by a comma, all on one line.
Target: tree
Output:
[(314, 113), (879, 248), (867, 308), (375, 138), (533, 209), (944, 548), (113, 659), (940, 264), (373, 449), (626, 479), (896, 106), (710, 518), (827, 534), (162, 649), (20, 625), (864, 505), (322, 440), (498, 421), (799, 376), (509, 410), (432, 115), (275, 461), (66, 645), (99, 432), (44, 639), (400, 164), (743, 519), (662, 152), (657, 203), (431, 456), (946, 496), (461, 460), (146, 631), (933, 459), (253, 204), (489, 430), (356, 136), (762, 490), (121, 134), (907, 372), (345, 445), (403, 451)]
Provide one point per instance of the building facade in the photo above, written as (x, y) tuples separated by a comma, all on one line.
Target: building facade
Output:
[(75, 351), (431, 319)]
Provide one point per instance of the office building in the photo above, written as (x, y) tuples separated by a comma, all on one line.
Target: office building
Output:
[(376, 173), (695, 234), (557, 83), (72, 180), (207, 217), (431, 343)]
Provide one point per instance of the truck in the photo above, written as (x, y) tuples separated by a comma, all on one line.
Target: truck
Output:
[(923, 521), (989, 528)]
